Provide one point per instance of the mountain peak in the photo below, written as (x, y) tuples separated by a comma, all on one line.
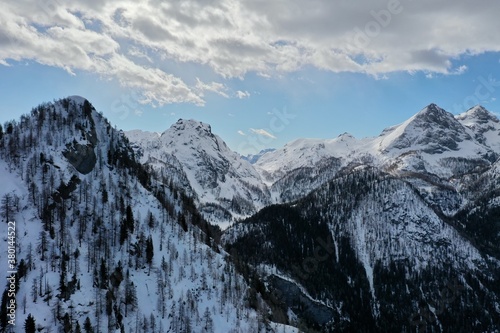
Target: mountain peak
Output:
[(477, 114), (191, 124), (346, 136), (432, 130), (77, 99), (253, 158), (433, 112)]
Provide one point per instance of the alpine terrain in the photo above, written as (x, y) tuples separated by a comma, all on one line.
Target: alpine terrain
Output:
[(175, 232), (105, 244)]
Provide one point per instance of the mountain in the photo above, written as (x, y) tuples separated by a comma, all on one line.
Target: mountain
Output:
[(225, 186), (484, 124), (409, 217), (432, 131), (101, 244), (253, 158)]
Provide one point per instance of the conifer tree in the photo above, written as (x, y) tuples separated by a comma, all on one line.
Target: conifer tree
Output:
[(149, 250), (87, 326), (29, 324)]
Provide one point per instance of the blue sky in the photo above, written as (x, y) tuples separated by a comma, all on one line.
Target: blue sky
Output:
[(261, 75)]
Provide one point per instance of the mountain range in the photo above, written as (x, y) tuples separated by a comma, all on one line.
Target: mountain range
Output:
[(175, 232)]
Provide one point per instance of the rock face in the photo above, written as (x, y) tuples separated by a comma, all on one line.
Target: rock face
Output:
[(82, 157), (81, 153)]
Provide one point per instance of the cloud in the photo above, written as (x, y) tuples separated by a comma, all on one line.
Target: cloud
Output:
[(146, 45), (240, 132), (262, 132), (215, 87), (460, 70), (242, 94)]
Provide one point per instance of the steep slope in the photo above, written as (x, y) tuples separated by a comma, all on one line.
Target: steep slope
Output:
[(101, 244), (480, 217), (372, 256), (225, 186)]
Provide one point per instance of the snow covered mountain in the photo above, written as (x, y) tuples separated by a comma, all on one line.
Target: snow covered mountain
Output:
[(253, 158), (101, 244), (432, 143), (485, 126), (403, 218), (394, 233), (435, 145), (224, 185)]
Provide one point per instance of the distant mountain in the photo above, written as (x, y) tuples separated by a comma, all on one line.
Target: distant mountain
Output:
[(485, 126), (253, 158), (224, 185), (432, 142)]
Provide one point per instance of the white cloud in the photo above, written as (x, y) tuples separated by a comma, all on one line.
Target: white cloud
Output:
[(242, 94), (234, 37), (460, 70), (214, 87), (240, 132), (263, 132)]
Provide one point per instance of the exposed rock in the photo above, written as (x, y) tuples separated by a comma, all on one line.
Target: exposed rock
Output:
[(82, 157)]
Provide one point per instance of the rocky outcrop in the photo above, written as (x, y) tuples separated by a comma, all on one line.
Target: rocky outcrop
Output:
[(82, 157)]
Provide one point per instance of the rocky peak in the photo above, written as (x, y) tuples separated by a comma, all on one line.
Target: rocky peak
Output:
[(477, 114), (432, 130), (433, 115), (191, 125)]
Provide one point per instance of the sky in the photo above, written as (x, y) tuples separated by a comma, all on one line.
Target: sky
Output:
[(260, 72)]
